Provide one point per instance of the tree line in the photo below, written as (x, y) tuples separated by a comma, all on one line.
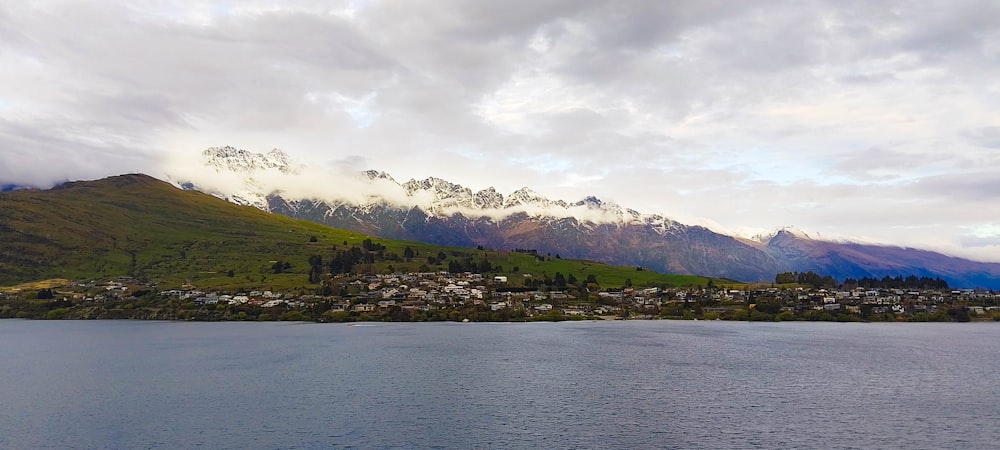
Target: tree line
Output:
[(898, 282), (826, 281)]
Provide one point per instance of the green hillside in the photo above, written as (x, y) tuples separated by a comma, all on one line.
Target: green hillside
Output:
[(135, 225)]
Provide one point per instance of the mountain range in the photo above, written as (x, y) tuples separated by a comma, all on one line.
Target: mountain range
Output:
[(437, 211), (138, 226)]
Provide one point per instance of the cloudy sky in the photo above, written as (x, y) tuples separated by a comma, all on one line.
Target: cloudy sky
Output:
[(878, 121)]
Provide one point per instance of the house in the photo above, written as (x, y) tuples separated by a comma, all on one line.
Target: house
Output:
[(208, 300)]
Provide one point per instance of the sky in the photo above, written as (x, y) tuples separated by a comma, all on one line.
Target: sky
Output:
[(871, 121)]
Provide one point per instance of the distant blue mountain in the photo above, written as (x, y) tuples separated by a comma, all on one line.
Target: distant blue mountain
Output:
[(10, 187)]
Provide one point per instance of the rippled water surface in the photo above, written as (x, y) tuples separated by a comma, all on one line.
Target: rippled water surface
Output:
[(635, 384)]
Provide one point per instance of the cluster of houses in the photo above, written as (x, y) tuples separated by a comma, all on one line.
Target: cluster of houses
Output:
[(876, 301), (89, 292), (441, 290), (413, 291), (448, 291)]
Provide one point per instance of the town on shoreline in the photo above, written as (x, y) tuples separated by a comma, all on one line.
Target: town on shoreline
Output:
[(468, 296)]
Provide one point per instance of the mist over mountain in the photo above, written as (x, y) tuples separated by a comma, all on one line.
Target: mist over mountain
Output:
[(14, 187), (437, 211)]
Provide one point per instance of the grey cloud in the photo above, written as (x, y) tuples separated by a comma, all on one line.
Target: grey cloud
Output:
[(485, 22), (328, 41), (760, 41), (978, 241), (350, 164), (9, 32), (52, 151), (984, 137), (468, 46), (946, 30), (866, 78), (979, 186), (879, 164), (214, 71), (576, 124), (130, 111)]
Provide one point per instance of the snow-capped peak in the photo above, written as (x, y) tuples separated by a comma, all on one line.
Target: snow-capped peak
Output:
[(441, 188), (527, 197), (241, 170), (239, 160), (488, 198), (590, 202), (443, 195), (379, 175), (787, 230)]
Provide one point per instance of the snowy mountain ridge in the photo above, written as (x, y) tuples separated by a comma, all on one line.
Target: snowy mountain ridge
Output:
[(263, 175)]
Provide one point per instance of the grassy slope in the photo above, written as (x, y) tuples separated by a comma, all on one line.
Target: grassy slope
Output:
[(137, 225)]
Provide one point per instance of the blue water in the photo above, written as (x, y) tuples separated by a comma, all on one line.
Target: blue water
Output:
[(635, 384)]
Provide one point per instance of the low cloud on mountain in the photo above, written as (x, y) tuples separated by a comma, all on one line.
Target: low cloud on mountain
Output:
[(249, 177)]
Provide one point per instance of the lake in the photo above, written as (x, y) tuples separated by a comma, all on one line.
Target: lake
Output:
[(621, 384)]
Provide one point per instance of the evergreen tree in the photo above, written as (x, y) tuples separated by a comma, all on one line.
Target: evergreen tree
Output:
[(559, 280)]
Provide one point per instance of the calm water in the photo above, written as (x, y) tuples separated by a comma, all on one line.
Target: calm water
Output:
[(636, 384)]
